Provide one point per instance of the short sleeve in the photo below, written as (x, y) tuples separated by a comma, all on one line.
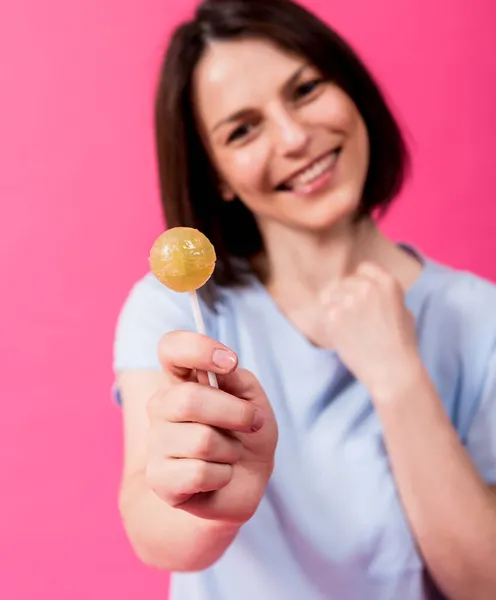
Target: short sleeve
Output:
[(481, 440), (148, 313)]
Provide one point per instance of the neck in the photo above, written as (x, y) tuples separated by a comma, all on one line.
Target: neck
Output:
[(299, 260)]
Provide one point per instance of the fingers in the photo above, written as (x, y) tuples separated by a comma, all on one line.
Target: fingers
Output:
[(195, 441), (367, 277), (242, 384), (195, 403), (175, 481), (181, 352), (377, 274)]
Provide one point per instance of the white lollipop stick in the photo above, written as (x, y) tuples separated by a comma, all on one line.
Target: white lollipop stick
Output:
[(200, 327)]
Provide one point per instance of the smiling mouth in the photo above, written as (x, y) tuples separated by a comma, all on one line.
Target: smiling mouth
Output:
[(311, 174)]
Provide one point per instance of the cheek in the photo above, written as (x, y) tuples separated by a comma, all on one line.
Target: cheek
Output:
[(343, 116), (335, 110), (360, 145), (246, 169)]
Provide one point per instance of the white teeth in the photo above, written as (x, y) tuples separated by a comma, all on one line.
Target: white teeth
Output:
[(313, 172)]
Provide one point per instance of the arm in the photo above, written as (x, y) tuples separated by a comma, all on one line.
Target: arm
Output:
[(451, 510), (162, 536)]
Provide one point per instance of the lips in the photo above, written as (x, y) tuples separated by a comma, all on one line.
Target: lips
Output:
[(305, 177)]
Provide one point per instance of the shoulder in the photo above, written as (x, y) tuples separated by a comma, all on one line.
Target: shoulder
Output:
[(470, 305), (149, 299), (148, 312), (464, 290), (461, 304), (456, 322)]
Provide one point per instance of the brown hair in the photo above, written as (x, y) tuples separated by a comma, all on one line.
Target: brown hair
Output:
[(189, 187)]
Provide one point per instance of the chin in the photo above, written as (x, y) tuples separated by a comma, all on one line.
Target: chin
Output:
[(324, 216)]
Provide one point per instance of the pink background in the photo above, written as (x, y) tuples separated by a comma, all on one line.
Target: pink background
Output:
[(79, 211)]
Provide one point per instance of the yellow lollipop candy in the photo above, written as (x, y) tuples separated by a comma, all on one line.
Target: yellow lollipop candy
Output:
[(183, 259)]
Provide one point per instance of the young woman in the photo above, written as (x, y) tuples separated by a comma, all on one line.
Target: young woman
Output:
[(350, 451)]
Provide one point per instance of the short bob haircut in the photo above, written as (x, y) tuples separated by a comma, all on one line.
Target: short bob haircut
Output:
[(189, 186)]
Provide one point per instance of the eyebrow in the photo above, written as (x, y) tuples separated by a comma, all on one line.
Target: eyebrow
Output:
[(238, 115)]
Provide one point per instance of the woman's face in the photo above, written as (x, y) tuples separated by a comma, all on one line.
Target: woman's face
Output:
[(290, 145)]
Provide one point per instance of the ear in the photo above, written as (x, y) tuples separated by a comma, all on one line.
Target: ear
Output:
[(227, 194)]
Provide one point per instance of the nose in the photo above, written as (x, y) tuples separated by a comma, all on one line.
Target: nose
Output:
[(291, 136)]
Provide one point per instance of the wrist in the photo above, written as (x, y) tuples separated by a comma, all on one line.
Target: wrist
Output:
[(402, 378)]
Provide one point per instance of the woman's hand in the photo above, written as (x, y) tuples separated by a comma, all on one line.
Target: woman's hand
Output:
[(211, 451), (369, 326)]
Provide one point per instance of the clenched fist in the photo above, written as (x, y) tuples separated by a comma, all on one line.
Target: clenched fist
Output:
[(368, 324), (211, 451)]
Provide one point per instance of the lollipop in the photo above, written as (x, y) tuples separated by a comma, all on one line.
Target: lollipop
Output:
[(183, 260)]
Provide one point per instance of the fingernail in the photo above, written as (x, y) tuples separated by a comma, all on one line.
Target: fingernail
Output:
[(223, 359), (258, 421)]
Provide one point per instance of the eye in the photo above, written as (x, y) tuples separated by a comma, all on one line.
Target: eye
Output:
[(307, 88), (240, 132)]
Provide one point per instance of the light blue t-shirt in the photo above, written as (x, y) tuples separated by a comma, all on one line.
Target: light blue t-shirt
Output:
[(331, 525)]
